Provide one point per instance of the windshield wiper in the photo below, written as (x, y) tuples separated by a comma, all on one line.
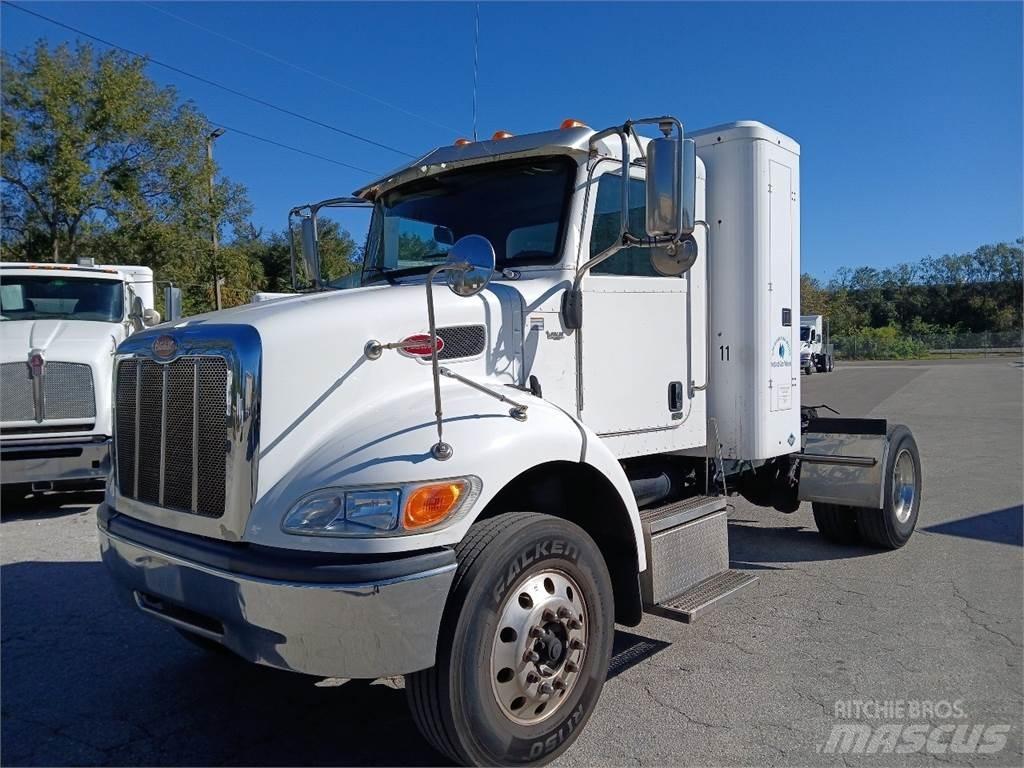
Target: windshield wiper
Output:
[(391, 274)]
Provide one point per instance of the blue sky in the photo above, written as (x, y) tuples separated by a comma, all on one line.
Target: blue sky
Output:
[(909, 115)]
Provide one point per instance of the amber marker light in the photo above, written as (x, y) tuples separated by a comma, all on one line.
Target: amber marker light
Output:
[(430, 504), (570, 123), (462, 142), (499, 135)]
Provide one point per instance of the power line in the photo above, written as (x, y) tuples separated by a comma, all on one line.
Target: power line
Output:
[(207, 81), (293, 149), (300, 68)]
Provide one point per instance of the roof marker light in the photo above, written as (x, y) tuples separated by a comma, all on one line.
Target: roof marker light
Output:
[(499, 135), (570, 123), (462, 142)]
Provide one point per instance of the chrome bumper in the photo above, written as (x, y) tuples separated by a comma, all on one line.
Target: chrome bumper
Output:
[(366, 628), (54, 460)]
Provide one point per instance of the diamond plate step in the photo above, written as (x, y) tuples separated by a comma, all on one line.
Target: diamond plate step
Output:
[(698, 599), (659, 519)]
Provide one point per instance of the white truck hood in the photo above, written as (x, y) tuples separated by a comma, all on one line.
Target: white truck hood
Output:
[(70, 341), (73, 341)]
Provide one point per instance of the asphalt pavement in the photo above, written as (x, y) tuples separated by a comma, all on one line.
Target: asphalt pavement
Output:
[(831, 636)]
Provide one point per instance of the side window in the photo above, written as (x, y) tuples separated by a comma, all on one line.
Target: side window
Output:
[(635, 262)]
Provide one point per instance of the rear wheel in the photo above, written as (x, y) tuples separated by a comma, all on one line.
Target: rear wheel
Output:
[(836, 523), (891, 526), (524, 645)]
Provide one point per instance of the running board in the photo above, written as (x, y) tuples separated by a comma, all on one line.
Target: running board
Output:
[(700, 598)]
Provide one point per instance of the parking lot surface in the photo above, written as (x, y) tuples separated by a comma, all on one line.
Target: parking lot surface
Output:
[(764, 680)]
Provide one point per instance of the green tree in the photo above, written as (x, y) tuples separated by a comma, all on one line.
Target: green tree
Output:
[(93, 149)]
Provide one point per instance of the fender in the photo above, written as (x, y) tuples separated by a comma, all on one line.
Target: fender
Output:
[(487, 442)]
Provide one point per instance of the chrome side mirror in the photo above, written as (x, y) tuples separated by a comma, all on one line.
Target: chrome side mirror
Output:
[(470, 265), (150, 317), (671, 186)]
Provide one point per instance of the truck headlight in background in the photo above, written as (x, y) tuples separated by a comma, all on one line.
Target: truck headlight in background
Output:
[(380, 511)]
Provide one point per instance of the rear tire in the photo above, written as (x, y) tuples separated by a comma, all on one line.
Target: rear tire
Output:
[(836, 523), (476, 704), (892, 526)]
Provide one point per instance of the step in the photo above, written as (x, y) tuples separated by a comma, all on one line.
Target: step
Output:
[(658, 519), (700, 598)]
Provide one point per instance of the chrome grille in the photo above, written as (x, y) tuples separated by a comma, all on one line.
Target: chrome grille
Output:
[(67, 392), (171, 433), (461, 341)]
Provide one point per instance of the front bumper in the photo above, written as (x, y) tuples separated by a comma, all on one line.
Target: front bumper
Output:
[(54, 460), (328, 615)]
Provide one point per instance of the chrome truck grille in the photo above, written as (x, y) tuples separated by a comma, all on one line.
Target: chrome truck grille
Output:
[(68, 392), (172, 421), (186, 427)]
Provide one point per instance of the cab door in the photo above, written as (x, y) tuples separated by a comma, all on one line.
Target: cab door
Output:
[(633, 362)]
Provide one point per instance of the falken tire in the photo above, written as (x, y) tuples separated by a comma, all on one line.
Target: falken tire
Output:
[(836, 523), (456, 703), (891, 526)]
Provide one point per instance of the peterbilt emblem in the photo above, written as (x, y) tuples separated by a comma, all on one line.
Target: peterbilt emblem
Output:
[(164, 346)]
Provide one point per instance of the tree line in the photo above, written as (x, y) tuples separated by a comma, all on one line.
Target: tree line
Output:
[(100, 161), (972, 292)]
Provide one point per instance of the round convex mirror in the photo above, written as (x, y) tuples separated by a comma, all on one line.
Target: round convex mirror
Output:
[(478, 253), (673, 263)]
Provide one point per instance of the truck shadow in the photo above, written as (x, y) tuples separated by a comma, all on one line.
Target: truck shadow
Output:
[(89, 681), (756, 547), (39, 506)]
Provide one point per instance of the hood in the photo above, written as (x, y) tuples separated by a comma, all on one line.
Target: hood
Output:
[(316, 376), (64, 340)]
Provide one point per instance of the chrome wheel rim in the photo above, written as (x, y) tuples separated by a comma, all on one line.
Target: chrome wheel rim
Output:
[(904, 486), (539, 648)]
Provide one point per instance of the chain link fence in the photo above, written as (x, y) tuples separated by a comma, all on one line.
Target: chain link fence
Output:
[(896, 347)]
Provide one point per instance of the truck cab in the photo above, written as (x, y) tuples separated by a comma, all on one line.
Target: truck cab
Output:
[(566, 351), (60, 325), (816, 349)]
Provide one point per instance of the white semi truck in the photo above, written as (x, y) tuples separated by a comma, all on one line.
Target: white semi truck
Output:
[(61, 324), (471, 485), (816, 349)]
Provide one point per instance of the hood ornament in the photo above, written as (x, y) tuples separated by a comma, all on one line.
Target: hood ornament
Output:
[(36, 369)]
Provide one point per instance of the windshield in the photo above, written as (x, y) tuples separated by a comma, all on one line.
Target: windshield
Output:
[(518, 205), (37, 297), (805, 333)]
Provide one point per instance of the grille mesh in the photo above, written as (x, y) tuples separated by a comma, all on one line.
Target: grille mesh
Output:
[(194, 445), (461, 341), (67, 389)]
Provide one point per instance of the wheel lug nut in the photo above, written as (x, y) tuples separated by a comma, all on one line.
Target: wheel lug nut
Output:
[(574, 624), (536, 632), (572, 666), (558, 685), (531, 655), (564, 613), (546, 689), (548, 615), (532, 678), (577, 645)]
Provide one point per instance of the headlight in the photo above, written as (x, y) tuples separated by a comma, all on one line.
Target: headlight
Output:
[(338, 512), (380, 511)]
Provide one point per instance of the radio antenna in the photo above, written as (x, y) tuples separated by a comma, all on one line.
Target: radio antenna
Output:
[(476, 63)]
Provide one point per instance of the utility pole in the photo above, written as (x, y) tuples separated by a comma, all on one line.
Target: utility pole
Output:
[(215, 134)]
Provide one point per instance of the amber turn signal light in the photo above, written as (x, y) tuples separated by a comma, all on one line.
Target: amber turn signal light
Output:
[(430, 504)]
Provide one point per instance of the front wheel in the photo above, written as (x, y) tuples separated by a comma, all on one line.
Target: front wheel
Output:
[(524, 644)]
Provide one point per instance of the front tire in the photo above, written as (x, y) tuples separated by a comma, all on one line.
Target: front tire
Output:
[(524, 644)]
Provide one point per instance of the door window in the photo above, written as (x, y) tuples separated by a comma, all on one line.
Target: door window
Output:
[(635, 261)]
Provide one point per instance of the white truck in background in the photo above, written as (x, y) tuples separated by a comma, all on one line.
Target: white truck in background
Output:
[(469, 486), (60, 325), (816, 348)]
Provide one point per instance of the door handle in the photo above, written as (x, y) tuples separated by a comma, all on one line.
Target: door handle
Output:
[(675, 396)]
